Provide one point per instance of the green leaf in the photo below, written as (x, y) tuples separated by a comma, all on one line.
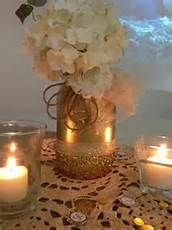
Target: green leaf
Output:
[(37, 3), (24, 11)]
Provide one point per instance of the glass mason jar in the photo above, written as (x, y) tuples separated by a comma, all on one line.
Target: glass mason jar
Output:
[(20, 146), (85, 135)]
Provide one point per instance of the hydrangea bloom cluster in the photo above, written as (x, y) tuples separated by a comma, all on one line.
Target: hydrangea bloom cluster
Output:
[(79, 41)]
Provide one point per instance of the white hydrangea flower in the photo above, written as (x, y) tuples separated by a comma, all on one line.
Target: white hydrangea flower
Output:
[(84, 17), (99, 25), (84, 35), (57, 62), (70, 54), (59, 18), (71, 36), (123, 92), (82, 64), (74, 36), (71, 5), (79, 35), (43, 69), (93, 83), (55, 42)]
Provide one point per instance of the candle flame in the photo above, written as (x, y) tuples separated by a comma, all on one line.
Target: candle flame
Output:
[(13, 147), (161, 155), (108, 134), (11, 162), (162, 152), (69, 133)]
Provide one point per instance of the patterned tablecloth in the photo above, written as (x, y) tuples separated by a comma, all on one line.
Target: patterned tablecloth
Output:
[(111, 202)]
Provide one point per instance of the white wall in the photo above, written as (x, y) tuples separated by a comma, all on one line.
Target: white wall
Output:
[(21, 90)]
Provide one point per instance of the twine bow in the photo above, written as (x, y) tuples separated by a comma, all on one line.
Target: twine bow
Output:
[(49, 99)]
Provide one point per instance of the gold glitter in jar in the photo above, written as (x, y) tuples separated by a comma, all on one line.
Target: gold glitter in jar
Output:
[(84, 161)]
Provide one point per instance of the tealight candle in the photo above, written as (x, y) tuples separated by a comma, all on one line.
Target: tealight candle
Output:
[(157, 169), (13, 182)]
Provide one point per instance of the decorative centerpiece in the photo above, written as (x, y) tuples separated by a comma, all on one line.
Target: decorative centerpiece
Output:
[(154, 159), (77, 44)]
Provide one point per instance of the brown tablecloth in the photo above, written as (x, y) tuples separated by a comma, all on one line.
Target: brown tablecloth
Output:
[(103, 201)]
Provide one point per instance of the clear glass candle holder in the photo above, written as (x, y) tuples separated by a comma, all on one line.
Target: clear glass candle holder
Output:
[(154, 161), (20, 146)]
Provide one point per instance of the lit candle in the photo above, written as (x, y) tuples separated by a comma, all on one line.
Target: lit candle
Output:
[(108, 134), (12, 147), (70, 136), (158, 168), (13, 182)]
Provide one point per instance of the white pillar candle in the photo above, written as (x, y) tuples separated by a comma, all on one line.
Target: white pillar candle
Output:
[(13, 182), (157, 170)]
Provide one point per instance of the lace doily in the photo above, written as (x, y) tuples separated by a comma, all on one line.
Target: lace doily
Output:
[(111, 202)]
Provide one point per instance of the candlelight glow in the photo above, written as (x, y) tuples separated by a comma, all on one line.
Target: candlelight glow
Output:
[(69, 133), (160, 160), (13, 147), (161, 155), (108, 134), (162, 152), (13, 181), (11, 162)]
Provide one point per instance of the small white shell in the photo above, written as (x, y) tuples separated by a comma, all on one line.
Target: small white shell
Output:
[(78, 217), (128, 201)]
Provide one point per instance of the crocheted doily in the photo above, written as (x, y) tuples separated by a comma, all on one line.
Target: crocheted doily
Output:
[(111, 202)]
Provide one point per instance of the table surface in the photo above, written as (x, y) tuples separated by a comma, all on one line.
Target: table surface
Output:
[(103, 201)]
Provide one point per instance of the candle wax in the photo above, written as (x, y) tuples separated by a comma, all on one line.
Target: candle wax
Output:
[(157, 172), (13, 183)]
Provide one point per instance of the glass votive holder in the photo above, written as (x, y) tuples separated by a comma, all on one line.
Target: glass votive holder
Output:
[(154, 161), (20, 147)]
